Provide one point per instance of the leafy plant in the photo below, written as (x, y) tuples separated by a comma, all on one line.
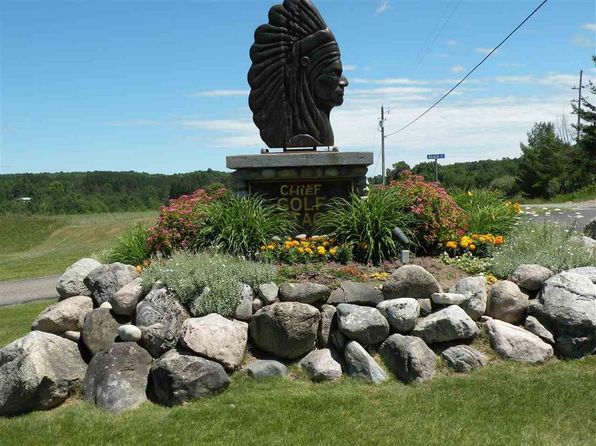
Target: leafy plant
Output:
[(309, 249), (207, 282), (131, 247), (488, 212), (467, 262), (241, 225), (544, 244), (367, 224), (437, 215)]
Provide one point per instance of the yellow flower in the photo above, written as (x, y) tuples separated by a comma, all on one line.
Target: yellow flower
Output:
[(270, 247), (321, 250), (139, 269), (451, 244), (333, 251), (470, 193), (491, 279), (465, 241), (301, 250), (308, 250), (472, 247)]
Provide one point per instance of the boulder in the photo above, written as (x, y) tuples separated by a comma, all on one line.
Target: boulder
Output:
[(401, 313), (515, 343), (178, 377), (327, 324), (408, 357), (463, 358), (243, 311), (66, 315), (160, 316), (588, 243), (116, 378), (74, 336), (320, 366), (71, 282), (125, 300), (217, 338), (38, 371), (426, 306), (129, 333), (534, 326), (588, 271), (567, 308), (590, 229), (448, 298), (449, 324), (257, 304), (105, 280), (266, 368), (356, 293), (363, 324), (306, 293), (411, 281), (338, 340), (360, 365), (268, 293), (286, 329), (474, 288), (99, 330), (507, 302), (531, 277), (106, 305)]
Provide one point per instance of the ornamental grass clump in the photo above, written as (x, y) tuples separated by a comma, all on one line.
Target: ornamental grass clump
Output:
[(367, 224), (437, 216), (131, 247), (241, 225), (543, 244), (488, 212), (207, 282)]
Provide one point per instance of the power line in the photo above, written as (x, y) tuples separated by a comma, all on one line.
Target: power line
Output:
[(469, 73)]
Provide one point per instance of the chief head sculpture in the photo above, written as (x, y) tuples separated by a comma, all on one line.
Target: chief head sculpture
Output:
[(296, 77)]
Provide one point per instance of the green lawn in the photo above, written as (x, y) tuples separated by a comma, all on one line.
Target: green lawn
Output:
[(35, 246), (503, 404)]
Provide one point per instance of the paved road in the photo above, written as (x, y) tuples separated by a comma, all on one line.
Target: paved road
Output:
[(22, 291), (569, 215)]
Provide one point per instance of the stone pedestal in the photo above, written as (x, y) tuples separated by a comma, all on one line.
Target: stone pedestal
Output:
[(301, 182)]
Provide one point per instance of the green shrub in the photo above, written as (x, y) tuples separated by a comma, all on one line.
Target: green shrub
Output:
[(488, 212), (207, 282), (131, 247), (241, 225), (367, 224), (544, 244), (468, 263)]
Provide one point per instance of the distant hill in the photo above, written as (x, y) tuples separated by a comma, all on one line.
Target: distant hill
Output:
[(95, 192)]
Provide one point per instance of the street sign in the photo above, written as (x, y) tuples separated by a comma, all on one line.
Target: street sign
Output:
[(435, 156)]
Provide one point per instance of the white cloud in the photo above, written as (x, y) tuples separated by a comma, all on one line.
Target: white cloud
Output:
[(583, 41), (562, 81), (383, 6), (451, 42), (220, 93), (589, 27), (457, 69), (350, 67), (485, 51)]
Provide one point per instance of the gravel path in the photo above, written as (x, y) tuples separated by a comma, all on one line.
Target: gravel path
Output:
[(22, 291)]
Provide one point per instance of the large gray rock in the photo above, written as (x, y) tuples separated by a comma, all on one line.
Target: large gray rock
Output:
[(567, 308), (71, 282), (515, 343), (588, 243), (408, 357), (590, 229), (356, 293), (411, 281), (129, 333), (360, 365), (507, 302), (449, 324), (178, 377), (215, 337), (66, 315), (243, 311), (327, 325), (38, 371), (448, 298), (401, 313), (266, 368), (160, 316), (285, 329), (100, 330), (531, 277), (533, 325), (363, 324), (105, 280), (463, 358), (320, 366), (125, 300), (474, 288), (306, 293), (268, 293), (588, 271), (116, 379)]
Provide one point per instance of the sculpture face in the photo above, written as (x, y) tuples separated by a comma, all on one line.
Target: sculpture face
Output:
[(296, 77)]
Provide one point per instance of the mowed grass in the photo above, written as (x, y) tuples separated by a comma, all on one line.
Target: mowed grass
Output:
[(36, 246), (503, 404)]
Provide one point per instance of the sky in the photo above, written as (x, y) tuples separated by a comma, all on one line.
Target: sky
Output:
[(160, 86)]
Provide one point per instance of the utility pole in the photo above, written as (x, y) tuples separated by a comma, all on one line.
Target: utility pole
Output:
[(382, 128), (436, 170), (579, 104)]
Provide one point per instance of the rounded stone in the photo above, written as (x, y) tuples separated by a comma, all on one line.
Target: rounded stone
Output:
[(129, 333)]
